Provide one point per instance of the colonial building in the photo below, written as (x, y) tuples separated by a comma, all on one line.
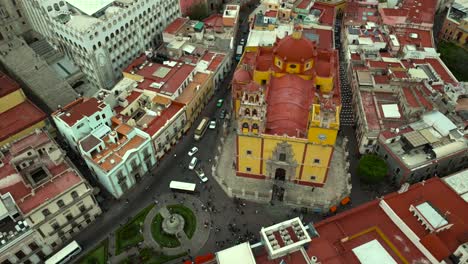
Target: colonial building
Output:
[(286, 103), (118, 157), (47, 199), (18, 115), (77, 119), (413, 225), (102, 37), (455, 27)]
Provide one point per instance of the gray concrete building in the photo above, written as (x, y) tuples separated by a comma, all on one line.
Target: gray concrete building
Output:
[(39, 81), (12, 20), (431, 146)]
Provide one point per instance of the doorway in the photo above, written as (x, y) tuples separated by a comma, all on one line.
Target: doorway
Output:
[(280, 174)]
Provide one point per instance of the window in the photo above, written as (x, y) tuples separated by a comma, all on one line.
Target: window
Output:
[(248, 169), (313, 178), (249, 152), (60, 203), (41, 255), (55, 225), (74, 194), (6, 261), (33, 246), (46, 212), (103, 116), (82, 208), (53, 244), (282, 157), (98, 117), (316, 160), (292, 66), (69, 217), (20, 254)]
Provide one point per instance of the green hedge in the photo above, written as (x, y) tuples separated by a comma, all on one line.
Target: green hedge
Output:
[(163, 239), (129, 235), (188, 215), (97, 256)]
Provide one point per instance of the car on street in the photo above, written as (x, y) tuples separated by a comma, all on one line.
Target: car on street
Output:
[(192, 151), (220, 102), (193, 163), (222, 114), (212, 124), (201, 174)]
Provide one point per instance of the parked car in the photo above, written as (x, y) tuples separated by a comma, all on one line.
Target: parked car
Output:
[(222, 114), (192, 151), (212, 124), (201, 174), (193, 163), (220, 102)]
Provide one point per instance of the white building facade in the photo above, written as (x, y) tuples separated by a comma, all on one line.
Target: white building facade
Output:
[(102, 37), (118, 158), (73, 123)]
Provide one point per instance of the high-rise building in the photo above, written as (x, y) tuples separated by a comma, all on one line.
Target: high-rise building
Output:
[(102, 36)]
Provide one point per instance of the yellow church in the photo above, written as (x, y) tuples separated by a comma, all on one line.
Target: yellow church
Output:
[(286, 103)]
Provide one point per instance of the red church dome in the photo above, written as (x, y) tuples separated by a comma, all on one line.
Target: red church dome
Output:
[(241, 75), (295, 48)]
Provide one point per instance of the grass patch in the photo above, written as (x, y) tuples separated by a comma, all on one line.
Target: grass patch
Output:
[(188, 215), (129, 235), (97, 256), (163, 239), (456, 59)]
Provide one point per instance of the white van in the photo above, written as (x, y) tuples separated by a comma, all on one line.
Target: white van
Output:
[(193, 163)]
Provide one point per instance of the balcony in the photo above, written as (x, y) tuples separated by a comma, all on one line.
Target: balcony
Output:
[(73, 222)]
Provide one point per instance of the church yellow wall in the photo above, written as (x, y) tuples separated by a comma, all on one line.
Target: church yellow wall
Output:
[(258, 76), (11, 100), (330, 134), (319, 170), (253, 161), (270, 143), (326, 83)]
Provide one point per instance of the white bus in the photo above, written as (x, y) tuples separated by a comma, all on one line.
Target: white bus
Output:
[(65, 254), (182, 186), (201, 128)]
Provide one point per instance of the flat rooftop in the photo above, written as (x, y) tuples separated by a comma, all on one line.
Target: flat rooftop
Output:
[(90, 7), (62, 176), (19, 118), (163, 78), (376, 118)]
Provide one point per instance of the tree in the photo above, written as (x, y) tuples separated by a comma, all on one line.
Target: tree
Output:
[(372, 169), (198, 11)]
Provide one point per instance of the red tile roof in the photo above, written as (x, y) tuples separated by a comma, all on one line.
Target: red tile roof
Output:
[(62, 177), (303, 4), (172, 80), (328, 13), (176, 25), (452, 206), (19, 118), (133, 96), (423, 39), (80, 108), (369, 221), (214, 21), (7, 85), (325, 37), (427, 105), (410, 98), (439, 67), (271, 13), (295, 49), (161, 120), (215, 62), (289, 99), (381, 79)]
